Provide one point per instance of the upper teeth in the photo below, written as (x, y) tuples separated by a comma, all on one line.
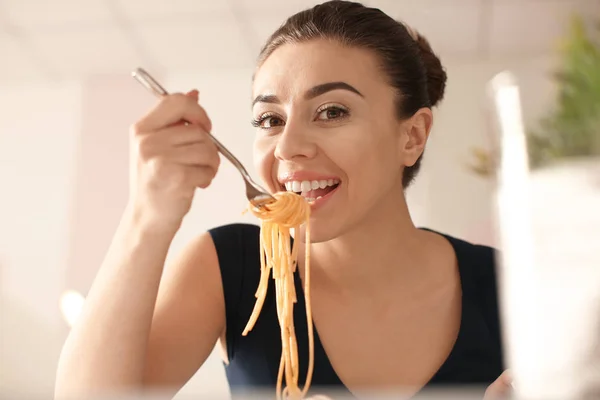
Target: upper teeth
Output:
[(305, 186)]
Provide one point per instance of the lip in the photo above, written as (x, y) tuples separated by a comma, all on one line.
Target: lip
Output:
[(320, 202)]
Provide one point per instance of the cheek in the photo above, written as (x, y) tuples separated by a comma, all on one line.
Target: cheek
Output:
[(264, 160), (365, 150), (368, 158)]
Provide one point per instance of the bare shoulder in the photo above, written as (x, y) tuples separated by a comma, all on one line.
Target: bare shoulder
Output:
[(478, 257), (439, 250), (193, 275)]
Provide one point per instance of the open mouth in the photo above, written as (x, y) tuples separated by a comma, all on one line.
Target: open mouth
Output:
[(312, 190)]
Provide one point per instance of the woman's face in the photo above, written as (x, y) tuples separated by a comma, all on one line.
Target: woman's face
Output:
[(326, 127)]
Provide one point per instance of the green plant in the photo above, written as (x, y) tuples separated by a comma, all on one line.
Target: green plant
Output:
[(572, 128)]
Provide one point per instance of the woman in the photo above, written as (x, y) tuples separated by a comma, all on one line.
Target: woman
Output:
[(342, 103)]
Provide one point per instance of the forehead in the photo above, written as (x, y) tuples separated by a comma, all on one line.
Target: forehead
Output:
[(295, 67)]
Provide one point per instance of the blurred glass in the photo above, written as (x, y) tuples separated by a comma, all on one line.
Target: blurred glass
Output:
[(548, 225)]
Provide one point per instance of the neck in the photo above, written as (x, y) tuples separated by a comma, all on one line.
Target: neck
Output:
[(374, 250)]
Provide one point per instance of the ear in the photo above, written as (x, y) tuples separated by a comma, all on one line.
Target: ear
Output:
[(416, 131)]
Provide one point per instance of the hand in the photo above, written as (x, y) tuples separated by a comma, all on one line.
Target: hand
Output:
[(501, 388), (170, 159)]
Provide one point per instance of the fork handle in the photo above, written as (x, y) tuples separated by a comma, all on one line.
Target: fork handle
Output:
[(153, 86), (233, 159)]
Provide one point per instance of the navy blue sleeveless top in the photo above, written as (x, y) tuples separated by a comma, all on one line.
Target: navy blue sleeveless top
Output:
[(475, 360)]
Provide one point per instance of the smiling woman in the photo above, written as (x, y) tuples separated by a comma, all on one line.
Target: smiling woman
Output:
[(343, 97)]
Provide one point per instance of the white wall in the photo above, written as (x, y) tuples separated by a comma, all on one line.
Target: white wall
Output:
[(456, 201), (41, 138), (39, 128)]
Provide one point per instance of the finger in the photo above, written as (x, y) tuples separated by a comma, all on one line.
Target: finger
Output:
[(506, 378), (206, 123), (196, 154), (173, 109), (181, 135), (201, 176), (194, 94), (501, 387)]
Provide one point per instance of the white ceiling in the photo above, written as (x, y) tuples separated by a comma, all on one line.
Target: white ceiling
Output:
[(49, 40)]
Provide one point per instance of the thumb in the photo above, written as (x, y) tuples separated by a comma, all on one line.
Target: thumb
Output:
[(194, 94)]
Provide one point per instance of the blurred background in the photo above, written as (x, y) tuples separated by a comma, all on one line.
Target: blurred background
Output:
[(67, 100)]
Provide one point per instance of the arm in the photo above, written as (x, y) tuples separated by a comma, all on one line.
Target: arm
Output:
[(122, 341), (189, 317), (131, 334)]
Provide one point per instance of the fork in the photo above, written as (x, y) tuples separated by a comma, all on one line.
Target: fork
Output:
[(257, 196)]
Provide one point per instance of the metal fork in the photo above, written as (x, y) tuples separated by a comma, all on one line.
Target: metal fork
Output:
[(257, 196)]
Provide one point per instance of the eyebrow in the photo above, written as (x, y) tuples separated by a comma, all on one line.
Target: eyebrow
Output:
[(311, 93)]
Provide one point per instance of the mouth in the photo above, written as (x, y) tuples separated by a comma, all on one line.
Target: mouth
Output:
[(312, 190)]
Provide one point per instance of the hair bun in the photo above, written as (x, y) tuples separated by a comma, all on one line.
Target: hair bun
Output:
[(436, 75)]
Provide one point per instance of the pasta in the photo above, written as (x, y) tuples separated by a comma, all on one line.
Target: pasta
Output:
[(279, 257)]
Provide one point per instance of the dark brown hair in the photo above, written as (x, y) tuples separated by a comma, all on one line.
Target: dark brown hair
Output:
[(405, 56)]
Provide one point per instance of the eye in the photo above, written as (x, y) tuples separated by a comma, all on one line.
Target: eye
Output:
[(268, 121), (331, 112)]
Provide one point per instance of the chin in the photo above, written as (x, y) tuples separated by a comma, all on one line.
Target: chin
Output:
[(319, 233)]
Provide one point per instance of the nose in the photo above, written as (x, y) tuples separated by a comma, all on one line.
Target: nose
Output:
[(295, 142)]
